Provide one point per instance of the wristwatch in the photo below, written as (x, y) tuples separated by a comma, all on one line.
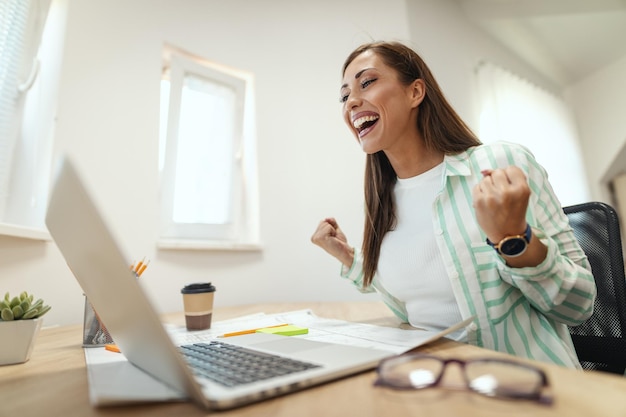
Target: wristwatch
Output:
[(512, 246)]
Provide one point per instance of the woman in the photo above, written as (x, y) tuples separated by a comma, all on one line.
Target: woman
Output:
[(453, 228)]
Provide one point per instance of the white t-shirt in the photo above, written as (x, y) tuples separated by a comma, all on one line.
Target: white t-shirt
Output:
[(410, 266)]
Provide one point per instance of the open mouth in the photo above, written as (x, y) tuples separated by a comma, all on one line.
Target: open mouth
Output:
[(365, 123)]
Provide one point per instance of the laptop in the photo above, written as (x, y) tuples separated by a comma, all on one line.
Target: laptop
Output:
[(102, 270)]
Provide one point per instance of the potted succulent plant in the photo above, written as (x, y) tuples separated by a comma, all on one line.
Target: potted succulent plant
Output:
[(20, 321)]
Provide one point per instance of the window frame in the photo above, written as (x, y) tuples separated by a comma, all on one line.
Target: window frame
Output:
[(242, 232), (29, 156)]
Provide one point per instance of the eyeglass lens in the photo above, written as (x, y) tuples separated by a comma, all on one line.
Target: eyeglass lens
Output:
[(492, 378)]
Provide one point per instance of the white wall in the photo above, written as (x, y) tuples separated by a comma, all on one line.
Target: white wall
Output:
[(452, 46), (599, 104), (309, 166)]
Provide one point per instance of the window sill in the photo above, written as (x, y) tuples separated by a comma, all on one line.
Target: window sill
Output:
[(178, 244), (24, 232)]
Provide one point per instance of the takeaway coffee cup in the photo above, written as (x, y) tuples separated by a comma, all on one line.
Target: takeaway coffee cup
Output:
[(198, 305)]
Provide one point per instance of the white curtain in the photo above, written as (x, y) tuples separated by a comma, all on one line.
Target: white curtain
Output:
[(21, 26), (514, 110)]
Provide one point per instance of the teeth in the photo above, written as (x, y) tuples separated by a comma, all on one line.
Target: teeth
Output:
[(361, 120)]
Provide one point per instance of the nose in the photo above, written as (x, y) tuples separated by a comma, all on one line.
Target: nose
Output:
[(354, 100)]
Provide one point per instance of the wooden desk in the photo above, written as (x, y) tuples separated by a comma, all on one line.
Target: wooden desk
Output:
[(54, 383)]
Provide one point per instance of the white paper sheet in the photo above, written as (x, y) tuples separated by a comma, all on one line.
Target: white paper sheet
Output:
[(321, 329)]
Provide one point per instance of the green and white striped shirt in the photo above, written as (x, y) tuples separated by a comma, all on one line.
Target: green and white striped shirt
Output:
[(520, 311)]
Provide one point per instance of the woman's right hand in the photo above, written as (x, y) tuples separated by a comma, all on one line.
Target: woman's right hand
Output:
[(329, 237)]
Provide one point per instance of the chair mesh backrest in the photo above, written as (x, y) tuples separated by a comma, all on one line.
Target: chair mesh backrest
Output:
[(600, 342)]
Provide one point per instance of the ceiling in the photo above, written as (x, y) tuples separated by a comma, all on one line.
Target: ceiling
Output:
[(566, 40)]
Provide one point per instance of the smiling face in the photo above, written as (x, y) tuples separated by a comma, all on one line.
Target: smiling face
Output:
[(377, 107)]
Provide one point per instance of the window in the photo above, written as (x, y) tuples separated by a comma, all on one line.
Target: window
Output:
[(207, 156), (514, 110), (31, 37)]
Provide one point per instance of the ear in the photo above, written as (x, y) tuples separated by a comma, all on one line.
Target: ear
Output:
[(417, 92)]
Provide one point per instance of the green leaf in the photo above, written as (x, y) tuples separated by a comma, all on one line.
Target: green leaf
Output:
[(18, 312), (43, 310), (37, 304), (6, 314), (31, 314), (15, 301)]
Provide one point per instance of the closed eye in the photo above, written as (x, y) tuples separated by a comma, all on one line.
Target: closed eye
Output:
[(366, 83)]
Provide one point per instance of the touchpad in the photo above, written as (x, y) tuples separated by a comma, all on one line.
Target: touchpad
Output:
[(289, 345)]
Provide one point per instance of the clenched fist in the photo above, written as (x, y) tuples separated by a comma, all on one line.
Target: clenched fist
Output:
[(329, 237)]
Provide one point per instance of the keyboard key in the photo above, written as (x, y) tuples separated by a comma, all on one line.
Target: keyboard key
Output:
[(231, 365)]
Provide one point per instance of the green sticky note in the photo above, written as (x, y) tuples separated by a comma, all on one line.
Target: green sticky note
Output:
[(289, 330)]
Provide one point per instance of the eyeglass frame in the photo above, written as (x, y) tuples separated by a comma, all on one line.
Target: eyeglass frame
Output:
[(537, 396)]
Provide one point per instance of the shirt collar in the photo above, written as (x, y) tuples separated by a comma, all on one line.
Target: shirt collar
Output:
[(457, 165)]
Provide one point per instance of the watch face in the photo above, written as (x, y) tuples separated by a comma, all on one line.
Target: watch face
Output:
[(513, 247)]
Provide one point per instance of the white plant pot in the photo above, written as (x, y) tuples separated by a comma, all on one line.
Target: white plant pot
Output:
[(17, 339)]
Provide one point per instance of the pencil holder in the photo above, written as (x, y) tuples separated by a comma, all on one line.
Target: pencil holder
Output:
[(94, 332)]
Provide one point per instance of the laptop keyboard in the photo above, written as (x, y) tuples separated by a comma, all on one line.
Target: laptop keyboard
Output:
[(231, 365)]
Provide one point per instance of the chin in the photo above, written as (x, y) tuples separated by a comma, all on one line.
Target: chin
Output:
[(368, 148)]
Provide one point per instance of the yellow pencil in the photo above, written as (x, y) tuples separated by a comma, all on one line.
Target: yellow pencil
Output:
[(139, 265), (142, 268)]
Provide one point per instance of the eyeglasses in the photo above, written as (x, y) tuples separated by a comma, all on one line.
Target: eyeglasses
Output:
[(491, 377)]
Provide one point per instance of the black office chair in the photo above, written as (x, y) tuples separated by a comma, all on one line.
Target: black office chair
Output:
[(600, 342)]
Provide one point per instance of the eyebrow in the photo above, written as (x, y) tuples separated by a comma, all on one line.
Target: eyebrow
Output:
[(356, 76)]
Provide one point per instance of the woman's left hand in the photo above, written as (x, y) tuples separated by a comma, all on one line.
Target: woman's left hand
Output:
[(500, 201)]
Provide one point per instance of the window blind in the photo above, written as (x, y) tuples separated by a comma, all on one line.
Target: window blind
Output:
[(13, 31)]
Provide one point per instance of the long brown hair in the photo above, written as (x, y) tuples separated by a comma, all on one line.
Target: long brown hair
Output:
[(440, 126)]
